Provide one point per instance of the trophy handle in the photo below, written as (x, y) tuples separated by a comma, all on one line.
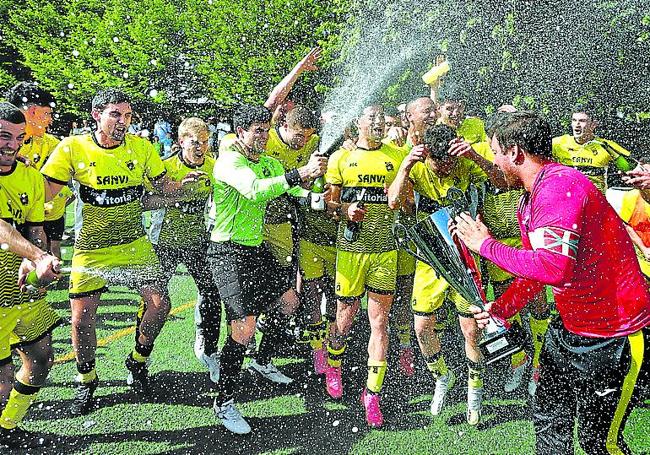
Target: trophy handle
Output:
[(403, 240)]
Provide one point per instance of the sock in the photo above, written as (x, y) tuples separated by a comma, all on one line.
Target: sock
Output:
[(87, 372), (141, 352), (404, 335), (274, 324), (436, 365), (376, 373), (518, 359), (317, 334), (335, 355), (232, 358), (20, 399), (474, 374), (538, 327)]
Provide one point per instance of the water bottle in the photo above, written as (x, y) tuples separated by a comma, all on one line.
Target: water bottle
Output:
[(353, 228), (317, 194)]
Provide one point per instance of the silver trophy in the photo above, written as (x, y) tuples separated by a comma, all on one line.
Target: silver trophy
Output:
[(455, 263)]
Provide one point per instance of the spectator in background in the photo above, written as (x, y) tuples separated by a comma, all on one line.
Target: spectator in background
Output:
[(85, 127)]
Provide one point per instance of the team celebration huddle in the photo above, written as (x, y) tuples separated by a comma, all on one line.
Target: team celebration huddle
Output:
[(294, 240)]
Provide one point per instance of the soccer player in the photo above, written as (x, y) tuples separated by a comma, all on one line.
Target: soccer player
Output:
[(574, 241), (26, 319), (179, 236), (110, 167), (433, 169), (12, 241), (590, 154), (249, 278), (366, 261)]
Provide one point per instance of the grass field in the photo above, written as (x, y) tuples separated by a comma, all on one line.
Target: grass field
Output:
[(294, 419)]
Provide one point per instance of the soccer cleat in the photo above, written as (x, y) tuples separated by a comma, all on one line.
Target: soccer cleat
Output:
[(231, 417), (534, 380), (443, 384), (370, 402), (269, 372), (334, 382), (320, 360), (474, 404), (516, 376), (406, 361), (213, 364), (138, 377), (83, 401), (17, 438)]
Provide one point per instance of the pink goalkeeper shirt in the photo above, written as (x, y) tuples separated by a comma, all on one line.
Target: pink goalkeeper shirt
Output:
[(574, 241)]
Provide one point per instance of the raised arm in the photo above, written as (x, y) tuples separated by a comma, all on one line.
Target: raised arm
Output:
[(280, 92)]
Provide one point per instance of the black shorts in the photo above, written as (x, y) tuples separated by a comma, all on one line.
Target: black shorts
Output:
[(54, 229), (249, 279)]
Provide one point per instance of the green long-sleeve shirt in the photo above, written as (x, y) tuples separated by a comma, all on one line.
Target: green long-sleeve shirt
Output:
[(241, 191)]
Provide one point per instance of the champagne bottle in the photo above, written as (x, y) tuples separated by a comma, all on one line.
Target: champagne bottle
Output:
[(32, 283), (353, 228), (317, 194)]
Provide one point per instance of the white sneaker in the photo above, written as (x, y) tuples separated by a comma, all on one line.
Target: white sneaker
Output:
[(231, 417), (534, 380), (474, 405), (270, 372), (516, 376), (199, 346), (213, 364), (443, 384)]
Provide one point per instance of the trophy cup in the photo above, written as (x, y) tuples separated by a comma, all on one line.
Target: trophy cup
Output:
[(453, 261)]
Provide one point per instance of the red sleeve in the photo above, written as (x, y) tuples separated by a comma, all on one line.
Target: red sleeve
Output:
[(517, 296)]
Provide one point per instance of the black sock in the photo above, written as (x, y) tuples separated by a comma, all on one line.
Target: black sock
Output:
[(271, 337), (232, 358)]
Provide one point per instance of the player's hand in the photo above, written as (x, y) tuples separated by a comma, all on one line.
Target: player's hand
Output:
[(481, 316), (238, 146), (349, 144), (356, 213), (315, 167), (192, 177), (397, 135), (471, 231), (638, 177), (308, 63), (47, 270), (417, 154), (507, 108), (459, 147)]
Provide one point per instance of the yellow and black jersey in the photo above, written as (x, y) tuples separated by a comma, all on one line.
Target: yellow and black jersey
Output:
[(591, 158), (432, 189), (111, 182), (499, 206), (278, 209), (183, 225), (22, 201), (38, 149), (374, 170)]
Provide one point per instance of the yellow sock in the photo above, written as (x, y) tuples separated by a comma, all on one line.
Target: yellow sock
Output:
[(317, 333), (474, 376), (437, 367), (85, 378), (17, 405), (139, 357), (335, 356), (404, 334), (376, 373), (518, 359), (538, 327)]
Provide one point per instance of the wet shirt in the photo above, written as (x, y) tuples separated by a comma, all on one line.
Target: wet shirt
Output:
[(22, 201), (111, 183), (375, 170), (574, 241), (183, 224), (635, 212), (38, 149), (55, 208)]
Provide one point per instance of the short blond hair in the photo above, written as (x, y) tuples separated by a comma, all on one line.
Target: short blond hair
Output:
[(192, 125)]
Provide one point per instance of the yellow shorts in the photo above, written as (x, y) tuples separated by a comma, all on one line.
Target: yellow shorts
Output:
[(431, 290), (358, 272), (316, 261), (280, 241), (495, 273), (132, 264), (25, 323), (405, 263)]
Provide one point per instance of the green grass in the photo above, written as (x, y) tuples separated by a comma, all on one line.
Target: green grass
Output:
[(290, 420)]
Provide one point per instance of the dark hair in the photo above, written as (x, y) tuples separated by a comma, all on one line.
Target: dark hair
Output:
[(109, 96), (25, 94), (585, 108), (391, 111), (527, 129), (11, 114), (437, 139), (301, 117), (246, 114)]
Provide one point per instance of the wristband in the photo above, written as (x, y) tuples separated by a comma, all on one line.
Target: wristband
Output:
[(293, 177)]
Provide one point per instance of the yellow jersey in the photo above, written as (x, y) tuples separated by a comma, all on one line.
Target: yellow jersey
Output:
[(38, 149), (111, 182), (55, 208)]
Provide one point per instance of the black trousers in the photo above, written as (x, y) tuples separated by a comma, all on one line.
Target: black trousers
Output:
[(597, 381)]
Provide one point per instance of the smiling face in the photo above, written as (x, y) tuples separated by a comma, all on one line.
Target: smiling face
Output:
[(504, 159), (113, 122), (39, 118), (11, 138), (194, 146), (255, 137), (451, 113), (421, 114), (296, 136), (371, 124)]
